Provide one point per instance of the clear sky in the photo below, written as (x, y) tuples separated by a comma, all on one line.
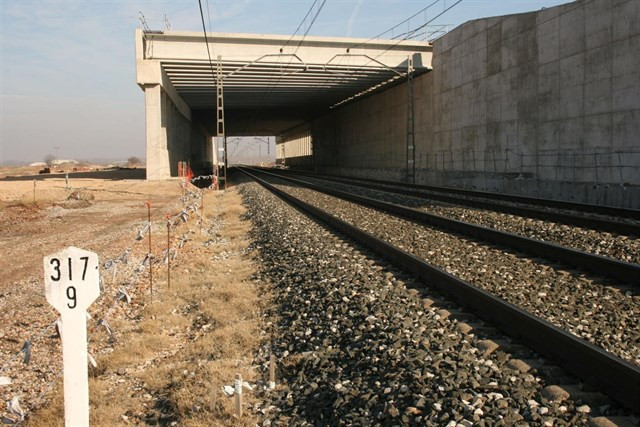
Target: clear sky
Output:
[(68, 67)]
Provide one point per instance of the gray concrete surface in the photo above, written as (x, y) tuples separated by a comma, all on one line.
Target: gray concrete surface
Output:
[(545, 103)]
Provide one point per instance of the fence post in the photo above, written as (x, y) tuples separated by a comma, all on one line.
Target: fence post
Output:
[(214, 397), (168, 252), (238, 394), (150, 261), (506, 159), (495, 166), (113, 277), (521, 163), (272, 371), (201, 210)]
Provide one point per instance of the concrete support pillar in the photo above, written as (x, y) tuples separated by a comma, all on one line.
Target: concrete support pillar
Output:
[(157, 150)]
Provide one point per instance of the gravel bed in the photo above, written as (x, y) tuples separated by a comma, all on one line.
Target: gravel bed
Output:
[(580, 303), (605, 217), (356, 347), (620, 247)]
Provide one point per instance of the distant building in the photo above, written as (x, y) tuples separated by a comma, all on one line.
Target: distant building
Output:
[(38, 164), (59, 162)]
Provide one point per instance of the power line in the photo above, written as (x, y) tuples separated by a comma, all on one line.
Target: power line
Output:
[(395, 26), (311, 24), (301, 22), (270, 87), (206, 40), (410, 34), (209, 17), (213, 74)]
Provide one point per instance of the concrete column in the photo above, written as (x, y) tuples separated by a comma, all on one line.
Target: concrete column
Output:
[(157, 152)]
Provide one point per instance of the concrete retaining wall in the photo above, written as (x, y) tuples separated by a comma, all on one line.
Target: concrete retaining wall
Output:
[(545, 103)]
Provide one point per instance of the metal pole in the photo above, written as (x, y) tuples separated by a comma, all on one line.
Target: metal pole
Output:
[(220, 117), (411, 149)]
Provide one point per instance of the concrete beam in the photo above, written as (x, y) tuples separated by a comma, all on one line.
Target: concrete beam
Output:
[(244, 48)]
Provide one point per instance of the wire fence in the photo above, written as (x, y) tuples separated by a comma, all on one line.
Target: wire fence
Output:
[(119, 276)]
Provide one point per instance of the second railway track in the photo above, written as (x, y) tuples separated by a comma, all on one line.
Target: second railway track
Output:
[(599, 314), (604, 266), (622, 221)]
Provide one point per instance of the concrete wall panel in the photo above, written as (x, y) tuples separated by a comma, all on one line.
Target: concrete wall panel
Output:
[(551, 98), (598, 20)]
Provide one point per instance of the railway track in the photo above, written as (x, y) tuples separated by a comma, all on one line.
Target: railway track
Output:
[(616, 220), (618, 378), (619, 270)]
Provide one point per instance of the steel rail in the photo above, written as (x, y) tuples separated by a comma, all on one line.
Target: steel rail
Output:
[(616, 377), (410, 189), (560, 204), (604, 266)]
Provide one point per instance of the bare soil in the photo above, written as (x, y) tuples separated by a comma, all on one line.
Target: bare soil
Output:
[(170, 350)]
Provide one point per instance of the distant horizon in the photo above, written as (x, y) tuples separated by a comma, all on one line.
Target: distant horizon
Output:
[(10, 162)]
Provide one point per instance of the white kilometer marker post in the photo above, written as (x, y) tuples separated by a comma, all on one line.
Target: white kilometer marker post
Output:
[(71, 280)]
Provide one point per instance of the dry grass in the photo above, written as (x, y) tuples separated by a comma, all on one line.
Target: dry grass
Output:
[(187, 341)]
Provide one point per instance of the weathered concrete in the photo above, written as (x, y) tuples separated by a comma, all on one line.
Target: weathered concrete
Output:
[(173, 134), (544, 103), (271, 84), (172, 137)]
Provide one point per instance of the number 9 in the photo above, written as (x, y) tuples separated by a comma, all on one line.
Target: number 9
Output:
[(71, 294)]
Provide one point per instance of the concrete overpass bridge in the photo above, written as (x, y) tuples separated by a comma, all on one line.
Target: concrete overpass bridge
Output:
[(271, 84), (545, 103)]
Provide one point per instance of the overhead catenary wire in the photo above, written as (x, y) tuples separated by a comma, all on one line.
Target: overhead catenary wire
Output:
[(209, 17), (395, 26), (271, 86), (408, 35), (206, 40), (213, 73), (302, 22), (415, 30)]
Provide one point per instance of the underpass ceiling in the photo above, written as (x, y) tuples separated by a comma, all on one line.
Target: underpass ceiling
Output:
[(276, 84)]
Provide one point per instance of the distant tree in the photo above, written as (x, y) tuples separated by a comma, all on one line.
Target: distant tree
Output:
[(49, 158), (133, 160)]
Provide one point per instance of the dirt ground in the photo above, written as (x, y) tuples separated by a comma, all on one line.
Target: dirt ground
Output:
[(157, 366)]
